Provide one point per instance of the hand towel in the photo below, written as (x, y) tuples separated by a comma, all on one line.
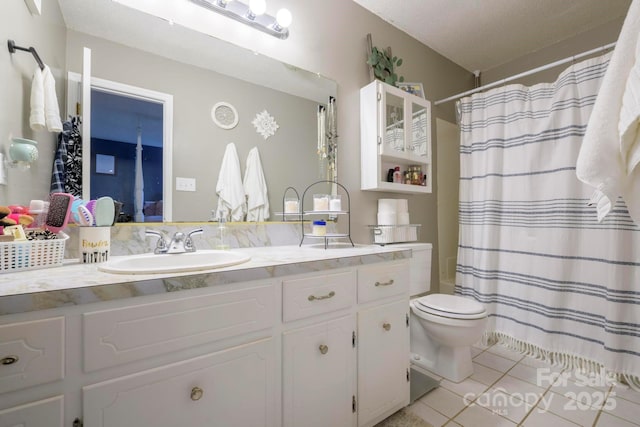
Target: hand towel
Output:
[(231, 196), (629, 125), (36, 118), (255, 187), (51, 109), (602, 163)]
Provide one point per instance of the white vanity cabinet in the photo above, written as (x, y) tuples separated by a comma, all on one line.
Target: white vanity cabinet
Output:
[(47, 412), (383, 341), (319, 360), (320, 348), (395, 131), (233, 387)]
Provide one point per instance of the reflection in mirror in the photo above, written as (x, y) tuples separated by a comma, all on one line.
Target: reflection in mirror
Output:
[(199, 71)]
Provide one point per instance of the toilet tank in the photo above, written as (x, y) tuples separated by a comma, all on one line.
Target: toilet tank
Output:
[(420, 267)]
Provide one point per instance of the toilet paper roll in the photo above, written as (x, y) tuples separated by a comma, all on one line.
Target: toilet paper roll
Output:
[(402, 205), (387, 218), (403, 218), (387, 205)]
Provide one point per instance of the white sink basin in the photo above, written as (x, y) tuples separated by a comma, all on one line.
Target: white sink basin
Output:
[(173, 263)]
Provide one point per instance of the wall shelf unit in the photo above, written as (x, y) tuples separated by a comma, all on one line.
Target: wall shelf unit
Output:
[(395, 131)]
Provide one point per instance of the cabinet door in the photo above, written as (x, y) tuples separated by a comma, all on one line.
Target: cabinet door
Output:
[(43, 413), (383, 361), (319, 375), (231, 388), (392, 122)]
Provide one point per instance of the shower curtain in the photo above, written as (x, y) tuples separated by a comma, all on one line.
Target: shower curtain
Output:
[(557, 284)]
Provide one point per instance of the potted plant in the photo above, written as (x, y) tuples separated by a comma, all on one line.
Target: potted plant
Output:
[(383, 65)]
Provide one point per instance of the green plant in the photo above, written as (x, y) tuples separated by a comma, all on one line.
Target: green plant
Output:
[(383, 65)]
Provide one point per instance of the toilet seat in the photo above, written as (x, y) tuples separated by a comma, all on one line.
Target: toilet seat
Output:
[(451, 306)]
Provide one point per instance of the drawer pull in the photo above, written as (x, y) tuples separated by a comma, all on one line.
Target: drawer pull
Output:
[(9, 360), (323, 349), (386, 326), (196, 393), (314, 298), (390, 282)]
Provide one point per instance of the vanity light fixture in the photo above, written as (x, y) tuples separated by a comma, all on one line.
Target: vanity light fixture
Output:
[(252, 15)]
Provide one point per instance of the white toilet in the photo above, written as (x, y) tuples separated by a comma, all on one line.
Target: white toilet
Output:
[(443, 327)]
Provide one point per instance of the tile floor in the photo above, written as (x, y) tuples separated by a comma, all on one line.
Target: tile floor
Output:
[(509, 389)]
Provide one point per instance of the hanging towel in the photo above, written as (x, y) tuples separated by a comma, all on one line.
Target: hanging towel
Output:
[(606, 159), (231, 197), (66, 172), (255, 187), (51, 109), (36, 118)]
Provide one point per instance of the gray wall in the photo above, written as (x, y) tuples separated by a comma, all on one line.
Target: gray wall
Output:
[(47, 34), (198, 144)]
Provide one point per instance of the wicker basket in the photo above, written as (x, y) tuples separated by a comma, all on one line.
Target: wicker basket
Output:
[(32, 254)]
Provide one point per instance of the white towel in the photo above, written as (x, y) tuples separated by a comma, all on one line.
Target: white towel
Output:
[(255, 187), (51, 109), (603, 158), (36, 118), (231, 197)]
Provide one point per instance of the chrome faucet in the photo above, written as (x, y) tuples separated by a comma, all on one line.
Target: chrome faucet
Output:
[(180, 243), (161, 244)]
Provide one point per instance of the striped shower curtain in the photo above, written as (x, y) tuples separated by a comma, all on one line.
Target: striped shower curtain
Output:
[(556, 283)]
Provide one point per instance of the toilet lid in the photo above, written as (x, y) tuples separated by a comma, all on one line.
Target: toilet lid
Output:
[(451, 306)]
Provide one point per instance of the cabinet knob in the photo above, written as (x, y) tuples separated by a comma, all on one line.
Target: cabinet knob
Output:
[(386, 326), (323, 349), (196, 393), (390, 282), (314, 298), (9, 360)]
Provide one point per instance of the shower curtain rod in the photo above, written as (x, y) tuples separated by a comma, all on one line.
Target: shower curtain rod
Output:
[(527, 73)]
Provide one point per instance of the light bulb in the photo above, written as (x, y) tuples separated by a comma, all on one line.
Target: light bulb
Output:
[(284, 18), (258, 7)]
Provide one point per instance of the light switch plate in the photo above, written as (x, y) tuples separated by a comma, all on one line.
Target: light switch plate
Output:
[(185, 184)]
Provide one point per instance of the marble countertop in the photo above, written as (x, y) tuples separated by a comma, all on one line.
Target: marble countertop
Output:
[(75, 283)]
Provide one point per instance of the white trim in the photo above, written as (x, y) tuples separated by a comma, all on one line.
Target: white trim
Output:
[(167, 132)]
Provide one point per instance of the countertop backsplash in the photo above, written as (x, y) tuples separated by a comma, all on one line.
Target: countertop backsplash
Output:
[(130, 239)]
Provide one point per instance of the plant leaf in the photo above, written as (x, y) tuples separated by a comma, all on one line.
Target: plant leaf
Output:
[(399, 63)]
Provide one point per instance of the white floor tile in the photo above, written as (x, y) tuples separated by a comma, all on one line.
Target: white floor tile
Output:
[(508, 406), (493, 361), (485, 375), (481, 346), (475, 351), (477, 416), (623, 408), (538, 419), (580, 392), (443, 401), (538, 363), (430, 415), (528, 392), (608, 420), (627, 393), (528, 373), (568, 409), (465, 387), (505, 352)]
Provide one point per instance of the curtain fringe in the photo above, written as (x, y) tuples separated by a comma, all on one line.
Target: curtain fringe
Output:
[(556, 358)]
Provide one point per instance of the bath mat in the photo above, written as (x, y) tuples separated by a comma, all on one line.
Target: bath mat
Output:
[(403, 418)]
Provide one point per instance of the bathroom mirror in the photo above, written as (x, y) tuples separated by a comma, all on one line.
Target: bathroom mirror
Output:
[(200, 71)]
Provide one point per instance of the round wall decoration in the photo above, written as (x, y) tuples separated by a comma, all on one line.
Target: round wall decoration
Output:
[(224, 115)]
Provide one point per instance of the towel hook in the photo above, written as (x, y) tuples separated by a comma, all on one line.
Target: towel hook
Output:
[(12, 48)]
